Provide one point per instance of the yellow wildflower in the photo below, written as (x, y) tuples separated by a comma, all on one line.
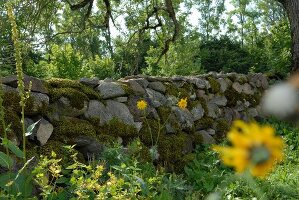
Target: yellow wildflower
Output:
[(141, 104), (254, 147), (182, 103)]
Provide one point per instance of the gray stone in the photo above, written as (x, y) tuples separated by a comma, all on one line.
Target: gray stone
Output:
[(136, 87), (89, 147), (211, 131), (44, 131), (92, 82), (156, 98), (169, 128), (142, 81), (40, 101), (158, 86), (252, 112), (62, 107), (110, 90), (171, 100), (200, 83), (38, 85), (247, 89), (258, 80), (223, 84), (219, 100), (213, 110), (206, 137), (96, 109), (121, 99), (120, 111), (237, 86), (197, 112), (184, 118)]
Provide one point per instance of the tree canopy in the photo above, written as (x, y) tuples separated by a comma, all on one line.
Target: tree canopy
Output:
[(112, 38)]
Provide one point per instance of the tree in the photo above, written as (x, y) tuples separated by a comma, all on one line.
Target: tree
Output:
[(292, 9)]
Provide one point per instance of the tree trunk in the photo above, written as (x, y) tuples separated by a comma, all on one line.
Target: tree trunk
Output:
[(292, 9)]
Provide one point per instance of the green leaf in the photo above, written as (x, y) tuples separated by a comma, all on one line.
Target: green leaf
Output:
[(5, 160), (11, 146), (30, 128)]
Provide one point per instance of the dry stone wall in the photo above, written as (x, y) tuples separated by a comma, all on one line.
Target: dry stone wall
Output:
[(92, 112)]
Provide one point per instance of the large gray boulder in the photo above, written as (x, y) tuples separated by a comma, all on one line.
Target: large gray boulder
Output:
[(110, 90), (37, 84), (157, 99), (97, 110)]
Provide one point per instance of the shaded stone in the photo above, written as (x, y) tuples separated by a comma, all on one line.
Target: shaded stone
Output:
[(237, 86), (258, 80), (213, 110), (223, 84), (120, 111), (142, 81), (197, 112), (156, 98), (121, 99), (89, 147), (219, 100), (110, 90), (62, 107), (252, 112), (184, 118), (97, 110), (44, 131), (200, 83), (40, 102), (247, 89), (37, 84), (136, 87), (158, 86), (206, 137), (92, 82), (211, 131)]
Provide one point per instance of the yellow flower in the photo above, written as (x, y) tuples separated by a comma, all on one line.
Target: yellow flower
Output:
[(182, 103), (141, 105), (254, 148)]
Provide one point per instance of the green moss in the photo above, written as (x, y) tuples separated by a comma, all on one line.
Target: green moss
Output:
[(180, 166), (222, 127), (75, 97), (193, 104), (242, 79), (197, 138), (232, 96), (254, 99), (164, 112), (204, 123), (65, 83), (151, 131), (215, 86), (171, 89), (117, 128), (128, 90), (171, 150), (204, 105), (68, 128), (12, 119)]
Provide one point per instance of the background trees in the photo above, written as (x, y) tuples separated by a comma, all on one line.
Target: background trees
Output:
[(112, 38)]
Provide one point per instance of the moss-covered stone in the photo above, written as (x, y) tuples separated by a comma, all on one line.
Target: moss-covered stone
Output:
[(232, 97), (215, 86), (197, 139), (65, 83), (13, 121), (173, 90), (254, 99), (204, 123), (203, 104), (75, 97), (69, 128), (222, 127), (117, 128)]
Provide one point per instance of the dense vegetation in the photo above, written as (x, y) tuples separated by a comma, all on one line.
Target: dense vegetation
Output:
[(66, 39)]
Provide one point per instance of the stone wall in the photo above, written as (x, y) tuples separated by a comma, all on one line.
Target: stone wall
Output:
[(91, 112)]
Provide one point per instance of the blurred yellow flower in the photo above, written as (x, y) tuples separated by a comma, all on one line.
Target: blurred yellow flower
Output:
[(254, 147), (141, 104), (182, 103)]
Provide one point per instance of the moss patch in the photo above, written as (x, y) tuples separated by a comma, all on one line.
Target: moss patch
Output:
[(117, 128), (171, 89), (151, 132), (204, 123), (222, 127), (69, 128), (12, 119), (215, 86)]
